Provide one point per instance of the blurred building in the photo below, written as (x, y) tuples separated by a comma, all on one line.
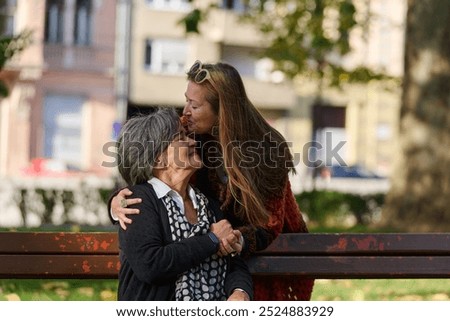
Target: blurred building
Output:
[(363, 118), (160, 54), (373, 115), (21, 75), (94, 63), (62, 107)]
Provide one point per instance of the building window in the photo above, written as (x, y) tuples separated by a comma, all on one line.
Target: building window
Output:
[(54, 18), (62, 129), (232, 4), (7, 12), (177, 5), (247, 61), (7, 27), (239, 6), (148, 54), (83, 18), (11, 3), (165, 56)]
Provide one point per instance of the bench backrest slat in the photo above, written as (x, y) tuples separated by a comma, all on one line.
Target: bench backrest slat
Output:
[(59, 266), (360, 244), (331, 256), (285, 244), (352, 267), (59, 242)]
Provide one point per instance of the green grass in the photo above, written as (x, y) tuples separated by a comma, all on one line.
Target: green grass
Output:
[(58, 290), (382, 290), (324, 290)]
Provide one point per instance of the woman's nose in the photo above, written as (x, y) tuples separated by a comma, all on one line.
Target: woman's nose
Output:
[(186, 111)]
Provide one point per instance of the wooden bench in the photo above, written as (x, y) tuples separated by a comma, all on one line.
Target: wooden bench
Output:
[(93, 255)]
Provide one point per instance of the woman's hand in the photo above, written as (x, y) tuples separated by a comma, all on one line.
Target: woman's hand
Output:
[(119, 205), (224, 232), (230, 240), (232, 244), (238, 295), (221, 229)]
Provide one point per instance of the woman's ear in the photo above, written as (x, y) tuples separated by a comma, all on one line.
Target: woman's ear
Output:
[(159, 162)]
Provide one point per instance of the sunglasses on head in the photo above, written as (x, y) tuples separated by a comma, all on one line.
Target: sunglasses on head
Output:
[(200, 74)]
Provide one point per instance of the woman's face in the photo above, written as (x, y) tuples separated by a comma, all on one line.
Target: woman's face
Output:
[(181, 153), (198, 111)]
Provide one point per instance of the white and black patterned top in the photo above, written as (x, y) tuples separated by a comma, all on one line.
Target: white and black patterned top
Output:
[(205, 281)]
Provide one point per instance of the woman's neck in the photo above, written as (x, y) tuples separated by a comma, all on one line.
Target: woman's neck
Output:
[(178, 180)]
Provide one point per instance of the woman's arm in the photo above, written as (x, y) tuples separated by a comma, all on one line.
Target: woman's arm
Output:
[(238, 279)]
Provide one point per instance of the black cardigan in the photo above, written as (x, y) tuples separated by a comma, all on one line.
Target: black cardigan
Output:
[(151, 262)]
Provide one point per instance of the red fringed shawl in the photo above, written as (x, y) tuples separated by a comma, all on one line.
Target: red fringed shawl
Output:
[(286, 218)]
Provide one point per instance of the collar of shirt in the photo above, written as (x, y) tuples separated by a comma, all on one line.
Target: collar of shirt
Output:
[(162, 189)]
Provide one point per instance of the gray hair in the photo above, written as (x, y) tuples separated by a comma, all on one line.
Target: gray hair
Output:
[(142, 140)]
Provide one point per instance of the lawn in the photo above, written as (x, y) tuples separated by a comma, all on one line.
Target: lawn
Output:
[(324, 290), (58, 290), (382, 290)]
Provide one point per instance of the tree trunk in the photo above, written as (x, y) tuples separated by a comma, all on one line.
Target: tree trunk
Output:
[(419, 199)]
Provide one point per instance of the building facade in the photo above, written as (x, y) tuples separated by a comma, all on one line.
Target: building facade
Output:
[(69, 105), (161, 53), (371, 111)]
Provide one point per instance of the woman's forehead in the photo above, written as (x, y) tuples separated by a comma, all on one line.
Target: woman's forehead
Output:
[(195, 91)]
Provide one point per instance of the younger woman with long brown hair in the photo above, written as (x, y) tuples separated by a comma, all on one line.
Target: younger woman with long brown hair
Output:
[(246, 166)]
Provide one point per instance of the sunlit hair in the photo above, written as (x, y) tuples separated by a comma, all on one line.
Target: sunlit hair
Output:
[(142, 139), (239, 121)]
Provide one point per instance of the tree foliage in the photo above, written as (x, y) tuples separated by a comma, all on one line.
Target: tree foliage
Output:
[(10, 45), (305, 37)]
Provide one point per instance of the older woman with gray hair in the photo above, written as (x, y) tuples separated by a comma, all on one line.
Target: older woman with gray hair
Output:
[(170, 250)]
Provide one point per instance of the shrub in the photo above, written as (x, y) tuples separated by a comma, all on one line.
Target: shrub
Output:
[(336, 208)]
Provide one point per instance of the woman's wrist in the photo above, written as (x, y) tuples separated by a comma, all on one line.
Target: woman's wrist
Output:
[(242, 292)]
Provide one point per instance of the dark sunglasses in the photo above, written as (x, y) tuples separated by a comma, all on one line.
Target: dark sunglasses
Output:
[(200, 74)]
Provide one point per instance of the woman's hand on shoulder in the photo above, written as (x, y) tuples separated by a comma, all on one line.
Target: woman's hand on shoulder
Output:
[(119, 207)]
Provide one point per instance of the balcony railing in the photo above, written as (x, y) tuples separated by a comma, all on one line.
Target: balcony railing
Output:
[(78, 58)]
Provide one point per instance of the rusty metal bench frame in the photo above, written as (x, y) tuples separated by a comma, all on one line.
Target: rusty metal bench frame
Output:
[(94, 255)]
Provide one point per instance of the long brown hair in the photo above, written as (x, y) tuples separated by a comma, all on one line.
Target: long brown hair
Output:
[(256, 156)]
